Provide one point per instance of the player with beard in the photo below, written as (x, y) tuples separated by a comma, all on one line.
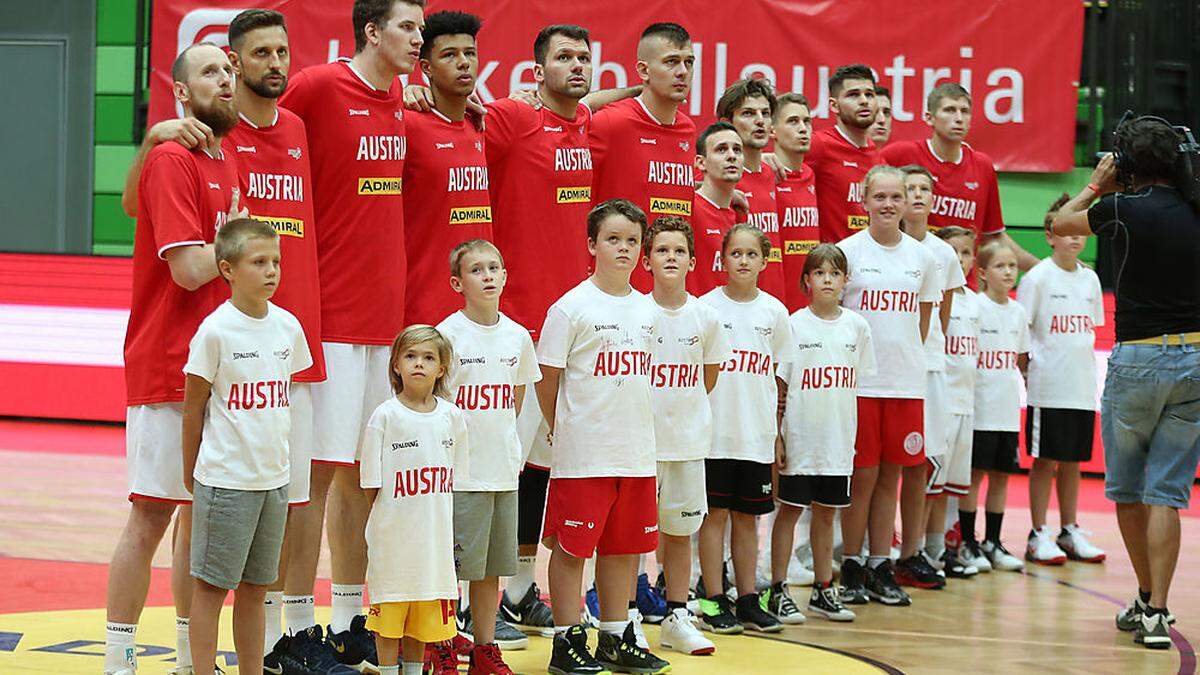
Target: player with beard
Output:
[(881, 128), (749, 105), (353, 112), (968, 194), (642, 147), (184, 198), (841, 155), (796, 194)]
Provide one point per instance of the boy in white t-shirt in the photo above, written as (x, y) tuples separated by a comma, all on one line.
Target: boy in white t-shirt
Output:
[(745, 427), (918, 184), (1065, 304), (236, 424), (414, 446), (684, 368), (595, 393), (493, 363)]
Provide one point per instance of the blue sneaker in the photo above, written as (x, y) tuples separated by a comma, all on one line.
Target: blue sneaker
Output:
[(650, 603), (591, 608)]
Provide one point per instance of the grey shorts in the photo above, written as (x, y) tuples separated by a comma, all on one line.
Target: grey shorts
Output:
[(485, 534), (237, 535)]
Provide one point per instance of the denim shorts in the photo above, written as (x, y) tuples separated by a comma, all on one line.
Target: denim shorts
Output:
[(1150, 423)]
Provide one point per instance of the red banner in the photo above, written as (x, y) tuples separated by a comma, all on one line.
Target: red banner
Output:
[(1019, 58)]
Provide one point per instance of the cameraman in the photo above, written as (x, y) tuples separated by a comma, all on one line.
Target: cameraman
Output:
[(1150, 410)]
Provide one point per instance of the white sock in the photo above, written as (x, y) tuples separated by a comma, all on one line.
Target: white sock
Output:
[(641, 565), (347, 603), (464, 596), (183, 648), (119, 646), (519, 584), (935, 545), (389, 670), (613, 627), (561, 630), (411, 668), (273, 628), (299, 613)]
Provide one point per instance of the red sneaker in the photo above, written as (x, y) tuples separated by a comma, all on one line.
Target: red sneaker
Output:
[(440, 659), (953, 537), (461, 645), (486, 660)]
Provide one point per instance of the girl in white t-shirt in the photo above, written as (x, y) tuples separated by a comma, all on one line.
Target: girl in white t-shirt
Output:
[(1003, 356), (413, 445), (818, 424), (738, 468)]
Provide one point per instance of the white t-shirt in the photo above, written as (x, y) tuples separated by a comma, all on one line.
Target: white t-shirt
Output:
[(1064, 309), (746, 397), (412, 458), (949, 276), (490, 363), (1003, 336), (962, 353), (250, 363), (604, 423), (820, 421), (688, 339), (886, 286)]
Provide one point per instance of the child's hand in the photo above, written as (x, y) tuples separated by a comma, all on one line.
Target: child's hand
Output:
[(189, 483), (780, 454)]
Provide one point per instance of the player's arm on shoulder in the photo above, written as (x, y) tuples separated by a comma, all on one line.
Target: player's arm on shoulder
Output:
[(192, 265), (186, 131), (196, 392), (598, 99)]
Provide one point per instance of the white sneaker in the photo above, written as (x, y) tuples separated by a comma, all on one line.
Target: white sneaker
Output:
[(681, 635), (635, 617), (123, 671), (970, 556), (799, 575), (1074, 543), (1041, 548), (1000, 558)]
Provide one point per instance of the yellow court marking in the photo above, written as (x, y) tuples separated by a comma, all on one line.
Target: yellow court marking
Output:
[(68, 642)]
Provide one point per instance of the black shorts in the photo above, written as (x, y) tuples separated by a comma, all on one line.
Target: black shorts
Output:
[(1060, 434), (531, 504), (739, 485), (995, 451), (831, 491)]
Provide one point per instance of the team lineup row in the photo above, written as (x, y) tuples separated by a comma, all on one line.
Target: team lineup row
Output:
[(369, 187)]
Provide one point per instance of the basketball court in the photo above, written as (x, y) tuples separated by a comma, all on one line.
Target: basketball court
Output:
[(62, 502)]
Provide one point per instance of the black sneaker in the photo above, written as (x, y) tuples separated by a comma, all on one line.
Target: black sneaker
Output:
[(1153, 632), (751, 615), (882, 586), (623, 655), (854, 583), (529, 614), (355, 646), (271, 660), (779, 603), (955, 568), (825, 601), (570, 655), (309, 654), (716, 615), (726, 585), (917, 572)]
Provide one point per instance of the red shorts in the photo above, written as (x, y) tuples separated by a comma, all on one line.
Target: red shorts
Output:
[(604, 515), (890, 430)]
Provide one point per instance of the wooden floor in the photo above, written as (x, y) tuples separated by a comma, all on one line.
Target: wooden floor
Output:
[(62, 505)]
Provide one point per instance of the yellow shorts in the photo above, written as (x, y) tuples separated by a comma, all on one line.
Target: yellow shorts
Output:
[(424, 620)]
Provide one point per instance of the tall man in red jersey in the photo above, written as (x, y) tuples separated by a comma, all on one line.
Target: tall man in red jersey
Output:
[(967, 193), (445, 173), (184, 198), (720, 160), (749, 105), (642, 147), (841, 155), (881, 128), (796, 195), (354, 114)]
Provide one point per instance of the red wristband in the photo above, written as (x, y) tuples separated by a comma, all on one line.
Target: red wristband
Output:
[(1094, 188)]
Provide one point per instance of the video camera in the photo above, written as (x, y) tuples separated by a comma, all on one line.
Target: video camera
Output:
[(1187, 162)]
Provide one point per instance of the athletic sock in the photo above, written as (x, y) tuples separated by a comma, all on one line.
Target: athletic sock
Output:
[(120, 645), (183, 647), (672, 606), (935, 544), (856, 558), (1151, 611), (876, 560), (299, 613), (992, 523), (273, 629), (346, 604), (561, 630), (633, 604), (389, 670), (520, 582), (613, 627), (1144, 596), (464, 596), (966, 523), (413, 668)]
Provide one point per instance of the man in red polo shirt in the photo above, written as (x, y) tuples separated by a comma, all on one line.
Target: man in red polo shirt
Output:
[(841, 155), (184, 197)]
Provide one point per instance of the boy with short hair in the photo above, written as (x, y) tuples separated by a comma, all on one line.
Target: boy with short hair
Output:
[(685, 366), (235, 458), (1065, 304), (595, 393), (493, 362)]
